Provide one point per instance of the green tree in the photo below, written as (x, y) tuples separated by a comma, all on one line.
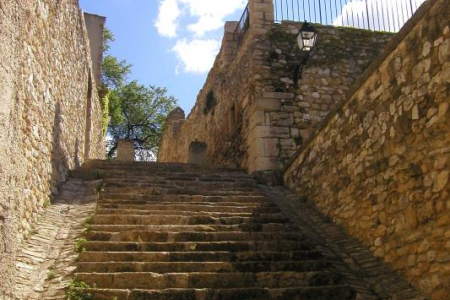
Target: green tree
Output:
[(114, 72), (136, 112)]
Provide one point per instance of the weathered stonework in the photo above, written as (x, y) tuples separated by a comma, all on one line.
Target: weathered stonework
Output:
[(379, 164), (50, 115), (261, 110)]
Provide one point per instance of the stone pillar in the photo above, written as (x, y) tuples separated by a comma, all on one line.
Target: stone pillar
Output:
[(125, 150), (261, 15), (197, 153)]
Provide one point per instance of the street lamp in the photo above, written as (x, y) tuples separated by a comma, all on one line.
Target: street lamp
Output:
[(306, 39)]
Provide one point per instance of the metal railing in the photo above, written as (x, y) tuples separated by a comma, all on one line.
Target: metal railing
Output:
[(376, 15), (243, 25)]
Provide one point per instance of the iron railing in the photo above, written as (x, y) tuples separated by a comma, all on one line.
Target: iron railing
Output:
[(243, 25), (377, 15)]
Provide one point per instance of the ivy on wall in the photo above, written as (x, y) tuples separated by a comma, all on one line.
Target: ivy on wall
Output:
[(104, 93)]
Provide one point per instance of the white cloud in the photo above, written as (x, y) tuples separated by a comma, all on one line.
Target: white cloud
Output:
[(377, 14), (210, 13), (196, 56), (168, 15)]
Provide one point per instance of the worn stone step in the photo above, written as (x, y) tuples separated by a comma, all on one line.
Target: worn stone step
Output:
[(143, 280), (177, 176), (191, 219), (124, 192), (246, 227), (222, 183), (235, 246), (197, 207), (164, 236), (337, 292), (155, 166), (199, 256), (260, 199), (143, 210), (216, 267)]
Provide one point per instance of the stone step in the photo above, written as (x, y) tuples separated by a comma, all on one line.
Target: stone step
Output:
[(212, 267), (192, 219), (153, 166), (336, 292), (249, 227), (162, 208), (171, 176), (236, 246), (164, 236), (199, 256), (253, 204), (261, 199), (200, 184), (124, 192), (143, 280), (142, 210)]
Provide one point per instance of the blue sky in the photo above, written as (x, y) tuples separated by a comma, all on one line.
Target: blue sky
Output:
[(170, 43)]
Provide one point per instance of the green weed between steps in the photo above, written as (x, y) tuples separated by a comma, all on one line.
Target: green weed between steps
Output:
[(88, 221), (50, 275), (46, 203), (78, 291), (79, 245)]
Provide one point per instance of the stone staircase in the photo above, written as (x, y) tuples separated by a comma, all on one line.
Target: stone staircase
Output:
[(174, 231)]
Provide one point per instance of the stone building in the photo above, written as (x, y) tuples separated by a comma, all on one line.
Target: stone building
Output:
[(50, 113)]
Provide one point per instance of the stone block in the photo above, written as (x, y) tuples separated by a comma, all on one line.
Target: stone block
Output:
[(257, 119), (257, 148), (281, 119), (125, 150), (259, 132), (276, 95), (268, 104), (264, 163), (198, 153), (272, 147)]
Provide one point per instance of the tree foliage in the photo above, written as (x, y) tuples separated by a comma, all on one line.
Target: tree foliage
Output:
[(137, 112)]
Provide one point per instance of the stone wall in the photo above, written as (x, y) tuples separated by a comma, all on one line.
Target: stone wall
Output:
[(261, 109), (50, 115), (291, 103), (379, 164)]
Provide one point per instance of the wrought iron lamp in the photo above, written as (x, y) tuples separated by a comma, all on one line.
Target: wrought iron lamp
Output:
[(306, 40), (306, 37)]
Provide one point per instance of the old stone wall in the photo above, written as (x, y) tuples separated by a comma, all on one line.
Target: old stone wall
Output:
[(255, 110), (379, 164), (292, 102), (221, 114), (50, 115)]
